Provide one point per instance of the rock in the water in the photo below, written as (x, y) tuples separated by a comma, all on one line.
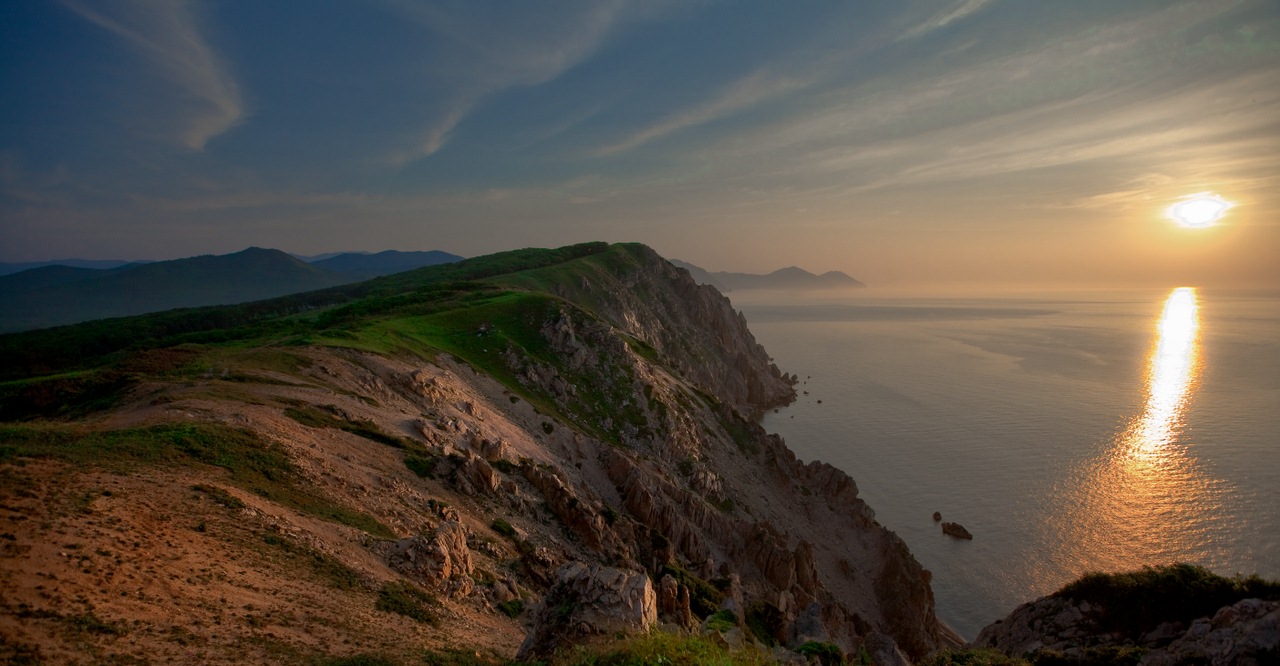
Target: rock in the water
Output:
[(937, 516), (956, 530), (590, 600)]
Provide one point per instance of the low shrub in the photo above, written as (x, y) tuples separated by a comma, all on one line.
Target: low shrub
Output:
[(828, 654), (1136, 602), (407, 600), (971, 657)]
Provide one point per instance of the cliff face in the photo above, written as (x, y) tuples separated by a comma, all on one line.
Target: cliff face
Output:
[(557, 452)]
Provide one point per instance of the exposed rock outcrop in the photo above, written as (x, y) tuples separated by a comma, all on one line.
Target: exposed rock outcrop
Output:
[(1246, 632), (590, 600), (441, 561)]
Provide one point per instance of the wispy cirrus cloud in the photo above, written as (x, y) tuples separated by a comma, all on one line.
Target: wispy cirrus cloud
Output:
[(955, 13), (170, 36), (744, 93), (491, 47)]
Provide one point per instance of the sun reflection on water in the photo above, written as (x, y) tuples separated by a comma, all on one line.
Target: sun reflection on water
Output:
[(1171, 376), (1146, 500)]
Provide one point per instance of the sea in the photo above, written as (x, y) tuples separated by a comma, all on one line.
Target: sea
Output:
[(1069, 432)]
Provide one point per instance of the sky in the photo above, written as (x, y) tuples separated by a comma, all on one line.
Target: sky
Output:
[(1001, 142)]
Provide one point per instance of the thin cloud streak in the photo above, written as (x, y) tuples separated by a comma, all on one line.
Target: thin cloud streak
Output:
[(504, 54), (747, 92), (938, 21), (168, 34)]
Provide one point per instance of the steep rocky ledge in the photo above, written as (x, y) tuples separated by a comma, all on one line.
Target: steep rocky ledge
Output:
[(557, 453)]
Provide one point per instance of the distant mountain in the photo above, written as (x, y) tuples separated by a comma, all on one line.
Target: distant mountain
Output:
[(383, 263), (17, 267), (783, 278), (56, 295)]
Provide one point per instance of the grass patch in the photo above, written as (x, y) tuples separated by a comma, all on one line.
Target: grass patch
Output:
[(828, 654), (462, 657), (424, 464), (662, 649), (972, 657), (327, 417), (253, 464), (357, 660), (766, 621), (503, 527), (405, 599), (1136, 602), (336, 573), (722, 620), (512, 608), (218, 495)]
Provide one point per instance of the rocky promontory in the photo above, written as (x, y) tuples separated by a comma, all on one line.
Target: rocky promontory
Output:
[(515, 453)]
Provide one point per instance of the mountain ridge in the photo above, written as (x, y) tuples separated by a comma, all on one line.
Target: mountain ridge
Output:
[(57, 295), (790, 277)]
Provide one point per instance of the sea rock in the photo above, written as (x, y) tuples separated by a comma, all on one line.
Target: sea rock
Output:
[(937, 516), (956, 530), (588, 600)]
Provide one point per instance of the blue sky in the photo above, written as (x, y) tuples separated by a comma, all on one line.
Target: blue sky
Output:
[(947, 141)]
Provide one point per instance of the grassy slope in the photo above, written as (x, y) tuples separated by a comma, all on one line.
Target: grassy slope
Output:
[(476, 310)]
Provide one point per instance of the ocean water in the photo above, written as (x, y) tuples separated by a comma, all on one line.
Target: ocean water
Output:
[(1069, 433)]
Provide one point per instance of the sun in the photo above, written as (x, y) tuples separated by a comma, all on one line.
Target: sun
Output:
[(1199, 210)]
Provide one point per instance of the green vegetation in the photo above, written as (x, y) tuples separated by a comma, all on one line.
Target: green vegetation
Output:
[(334, 572), (219, 495), (407, 600), (422, 464), (98, 343), (357, 660), (253, 464), (1136, 602), (1110, 655), (504, 528), (704, 599), (327, 417), (971, 657), (488, 312), (512, 608), (765, 621), (828, 654), (722, 620), (661, 649), (461, 657)]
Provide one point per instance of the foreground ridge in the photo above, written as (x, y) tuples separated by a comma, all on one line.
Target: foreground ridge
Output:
[(538, 448)]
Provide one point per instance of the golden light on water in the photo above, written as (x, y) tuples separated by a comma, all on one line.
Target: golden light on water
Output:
[(1145, 500), (1170, 374)]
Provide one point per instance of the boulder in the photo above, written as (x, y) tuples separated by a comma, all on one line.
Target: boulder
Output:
[(588, 600), (956, 530)]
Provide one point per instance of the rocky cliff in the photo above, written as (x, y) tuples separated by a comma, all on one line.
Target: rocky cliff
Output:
[(1175, 614), (541, 455)]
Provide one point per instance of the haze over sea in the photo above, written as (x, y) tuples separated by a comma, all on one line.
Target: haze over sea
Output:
[(1069, 432)]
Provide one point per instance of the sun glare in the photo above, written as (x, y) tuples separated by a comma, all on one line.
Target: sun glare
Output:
[(1199, 210)]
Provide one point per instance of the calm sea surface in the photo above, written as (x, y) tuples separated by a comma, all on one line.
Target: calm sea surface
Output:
[(1069, 433)]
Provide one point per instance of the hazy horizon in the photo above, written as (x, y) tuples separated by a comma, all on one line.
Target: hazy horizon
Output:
[(964, 142)]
